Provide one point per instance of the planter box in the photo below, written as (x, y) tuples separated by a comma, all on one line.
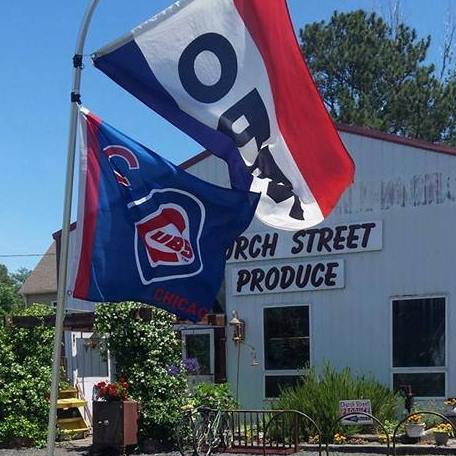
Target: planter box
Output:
[(415, 430), (115, 424), (441, 438)]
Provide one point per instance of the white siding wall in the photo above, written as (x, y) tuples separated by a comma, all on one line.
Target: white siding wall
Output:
[(413, 192)]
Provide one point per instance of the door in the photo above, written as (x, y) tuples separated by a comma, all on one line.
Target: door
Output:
[(88, 366)]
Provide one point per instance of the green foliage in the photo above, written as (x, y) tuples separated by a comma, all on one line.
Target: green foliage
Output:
[(372, 75), (144, 351), (318, 395), (215, 396), (25, 376), (9, 299), (20, 276), (10, 283)]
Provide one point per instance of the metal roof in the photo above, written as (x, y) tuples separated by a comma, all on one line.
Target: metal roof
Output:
[(360, 131)]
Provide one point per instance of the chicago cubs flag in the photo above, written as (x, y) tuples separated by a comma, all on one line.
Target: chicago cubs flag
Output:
[(147, 230), (230, 74)]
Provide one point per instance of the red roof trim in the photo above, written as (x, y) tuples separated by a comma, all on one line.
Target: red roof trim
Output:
[(361, 131), (195, 159), (376, 134), (58, 234)]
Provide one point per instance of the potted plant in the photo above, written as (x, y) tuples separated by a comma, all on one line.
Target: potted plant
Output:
[(114, 416), (442, 433), (450, 405), (414, 426), (107, 392)]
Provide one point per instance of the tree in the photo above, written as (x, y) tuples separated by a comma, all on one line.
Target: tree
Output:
[(25, 377), (148, 354), (371, 75), (20, 276), (10, 284), (9, 299)]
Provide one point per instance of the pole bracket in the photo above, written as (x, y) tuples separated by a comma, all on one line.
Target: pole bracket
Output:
[(77, 61), (75, 97)]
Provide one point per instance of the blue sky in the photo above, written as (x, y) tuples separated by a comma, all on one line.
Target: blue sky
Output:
[(38, 40)]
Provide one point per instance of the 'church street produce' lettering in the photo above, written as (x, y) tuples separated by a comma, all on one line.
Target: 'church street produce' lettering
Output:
[(327, 240), (282, 277)]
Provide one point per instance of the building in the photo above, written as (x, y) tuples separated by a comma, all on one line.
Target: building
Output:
[(371, 288), (41, 285)]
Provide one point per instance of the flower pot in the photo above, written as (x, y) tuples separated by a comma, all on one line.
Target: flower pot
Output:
[(415, 429), (450, 410), (441, 438), (114, 424)]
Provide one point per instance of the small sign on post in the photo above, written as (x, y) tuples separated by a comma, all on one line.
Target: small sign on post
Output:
[(352, 409)]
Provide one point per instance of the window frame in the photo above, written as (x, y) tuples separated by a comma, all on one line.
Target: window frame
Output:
[(200, 332), (419, 370), (282, 372)]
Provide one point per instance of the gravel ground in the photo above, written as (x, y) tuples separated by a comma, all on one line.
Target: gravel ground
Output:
[(82, 447), (78, 451)]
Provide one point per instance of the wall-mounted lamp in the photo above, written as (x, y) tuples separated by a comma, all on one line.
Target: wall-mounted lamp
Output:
[(238, 326), (238, 335)]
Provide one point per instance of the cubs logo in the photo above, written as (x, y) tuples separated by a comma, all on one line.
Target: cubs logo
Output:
[(167, 239)]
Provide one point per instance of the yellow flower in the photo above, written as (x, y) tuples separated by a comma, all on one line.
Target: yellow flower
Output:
[(450, 401), (339, 439), (382, 438), (443, 427), (415, 419), (313, 439)]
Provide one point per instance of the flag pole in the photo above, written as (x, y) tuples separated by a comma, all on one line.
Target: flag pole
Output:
[(63, 261)]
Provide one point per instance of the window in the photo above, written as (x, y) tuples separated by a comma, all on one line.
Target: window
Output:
[(200, 345), (274, 383), (286, 346), (419, 341)]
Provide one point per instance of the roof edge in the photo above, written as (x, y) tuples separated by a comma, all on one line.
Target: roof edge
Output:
[(360, 131), (390, 137), (195, 159)]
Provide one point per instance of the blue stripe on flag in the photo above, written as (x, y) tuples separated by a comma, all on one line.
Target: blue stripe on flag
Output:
[(141, 82)]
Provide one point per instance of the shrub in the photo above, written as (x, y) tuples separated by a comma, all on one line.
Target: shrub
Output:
[(214, 396), (144, 353), (25, 377), (318, 395)]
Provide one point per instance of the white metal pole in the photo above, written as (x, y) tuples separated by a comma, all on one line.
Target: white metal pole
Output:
[(63, 261)]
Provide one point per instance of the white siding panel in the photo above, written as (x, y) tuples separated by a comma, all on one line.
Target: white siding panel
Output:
[(413, 192)]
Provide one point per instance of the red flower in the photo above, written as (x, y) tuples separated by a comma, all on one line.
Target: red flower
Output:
[(112, 391)]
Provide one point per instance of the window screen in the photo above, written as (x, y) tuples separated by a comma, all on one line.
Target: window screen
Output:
[(199, 346), (286, 337), (419, 332)]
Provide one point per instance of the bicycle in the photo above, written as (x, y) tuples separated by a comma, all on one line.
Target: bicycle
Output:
[(201, 431)]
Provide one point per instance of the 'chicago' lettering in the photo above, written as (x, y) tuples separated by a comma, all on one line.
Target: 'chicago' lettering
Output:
[(164, 298)]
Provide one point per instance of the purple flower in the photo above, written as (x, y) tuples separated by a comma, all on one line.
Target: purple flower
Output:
[(173, 370), (191, 365)]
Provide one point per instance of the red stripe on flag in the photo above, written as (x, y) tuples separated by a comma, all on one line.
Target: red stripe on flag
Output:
[(82, 283), (302, 117)]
